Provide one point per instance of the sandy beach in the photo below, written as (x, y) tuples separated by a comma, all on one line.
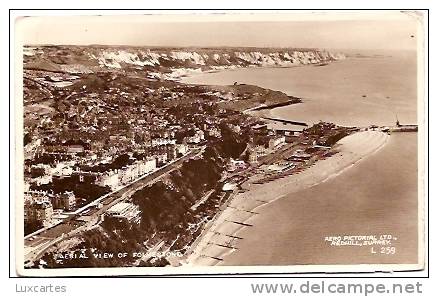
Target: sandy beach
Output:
[(221, 235)]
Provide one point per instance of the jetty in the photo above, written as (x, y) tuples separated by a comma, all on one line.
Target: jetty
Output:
[(404, 128), (286, 121), (396, 128)]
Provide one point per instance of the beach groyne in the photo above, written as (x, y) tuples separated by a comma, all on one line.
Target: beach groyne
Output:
[(223, 235)]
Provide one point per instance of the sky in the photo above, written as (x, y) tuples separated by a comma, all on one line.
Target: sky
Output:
[(366, 30)]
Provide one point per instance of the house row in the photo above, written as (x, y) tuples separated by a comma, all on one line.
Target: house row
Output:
[(115, 178)]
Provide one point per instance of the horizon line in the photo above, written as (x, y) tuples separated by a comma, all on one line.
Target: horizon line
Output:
[(217, 47)]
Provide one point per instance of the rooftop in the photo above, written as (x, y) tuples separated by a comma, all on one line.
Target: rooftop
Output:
[(120, 207)]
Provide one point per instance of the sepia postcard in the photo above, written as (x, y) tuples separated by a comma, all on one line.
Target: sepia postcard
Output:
[(153, 143)]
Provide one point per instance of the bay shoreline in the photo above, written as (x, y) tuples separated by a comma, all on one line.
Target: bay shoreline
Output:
[(220, 237)]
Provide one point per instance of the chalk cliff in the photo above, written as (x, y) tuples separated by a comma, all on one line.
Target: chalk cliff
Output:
[(169, 63)]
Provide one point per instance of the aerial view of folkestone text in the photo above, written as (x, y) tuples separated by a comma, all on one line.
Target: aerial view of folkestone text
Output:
[(219, 143)]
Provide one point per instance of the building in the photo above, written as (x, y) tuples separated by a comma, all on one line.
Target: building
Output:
[(42, 180), (85, 176), (109, 178), (182, 149), (195, 139), (126, 175), (280, 166), (148, 165), (171, 152), (31, 197), (124, 212), (260, 127), (233, 165), (39, 212), (192, 139), (142, 167), (66, 201), (256, 153), (131, 172), (229, 187), (201, 135), (276, 141), (235, 128), (161, 158), (39, 170), (162, 141), (75, 149), (214, 132), (300, 156), (63, 169)]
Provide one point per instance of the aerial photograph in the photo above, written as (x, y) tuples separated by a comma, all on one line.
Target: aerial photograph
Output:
[(235, 140)]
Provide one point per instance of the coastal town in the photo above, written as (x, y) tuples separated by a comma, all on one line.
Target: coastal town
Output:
[(120, 156)]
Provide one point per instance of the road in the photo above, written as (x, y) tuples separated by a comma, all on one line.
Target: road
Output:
[(36, 245)]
